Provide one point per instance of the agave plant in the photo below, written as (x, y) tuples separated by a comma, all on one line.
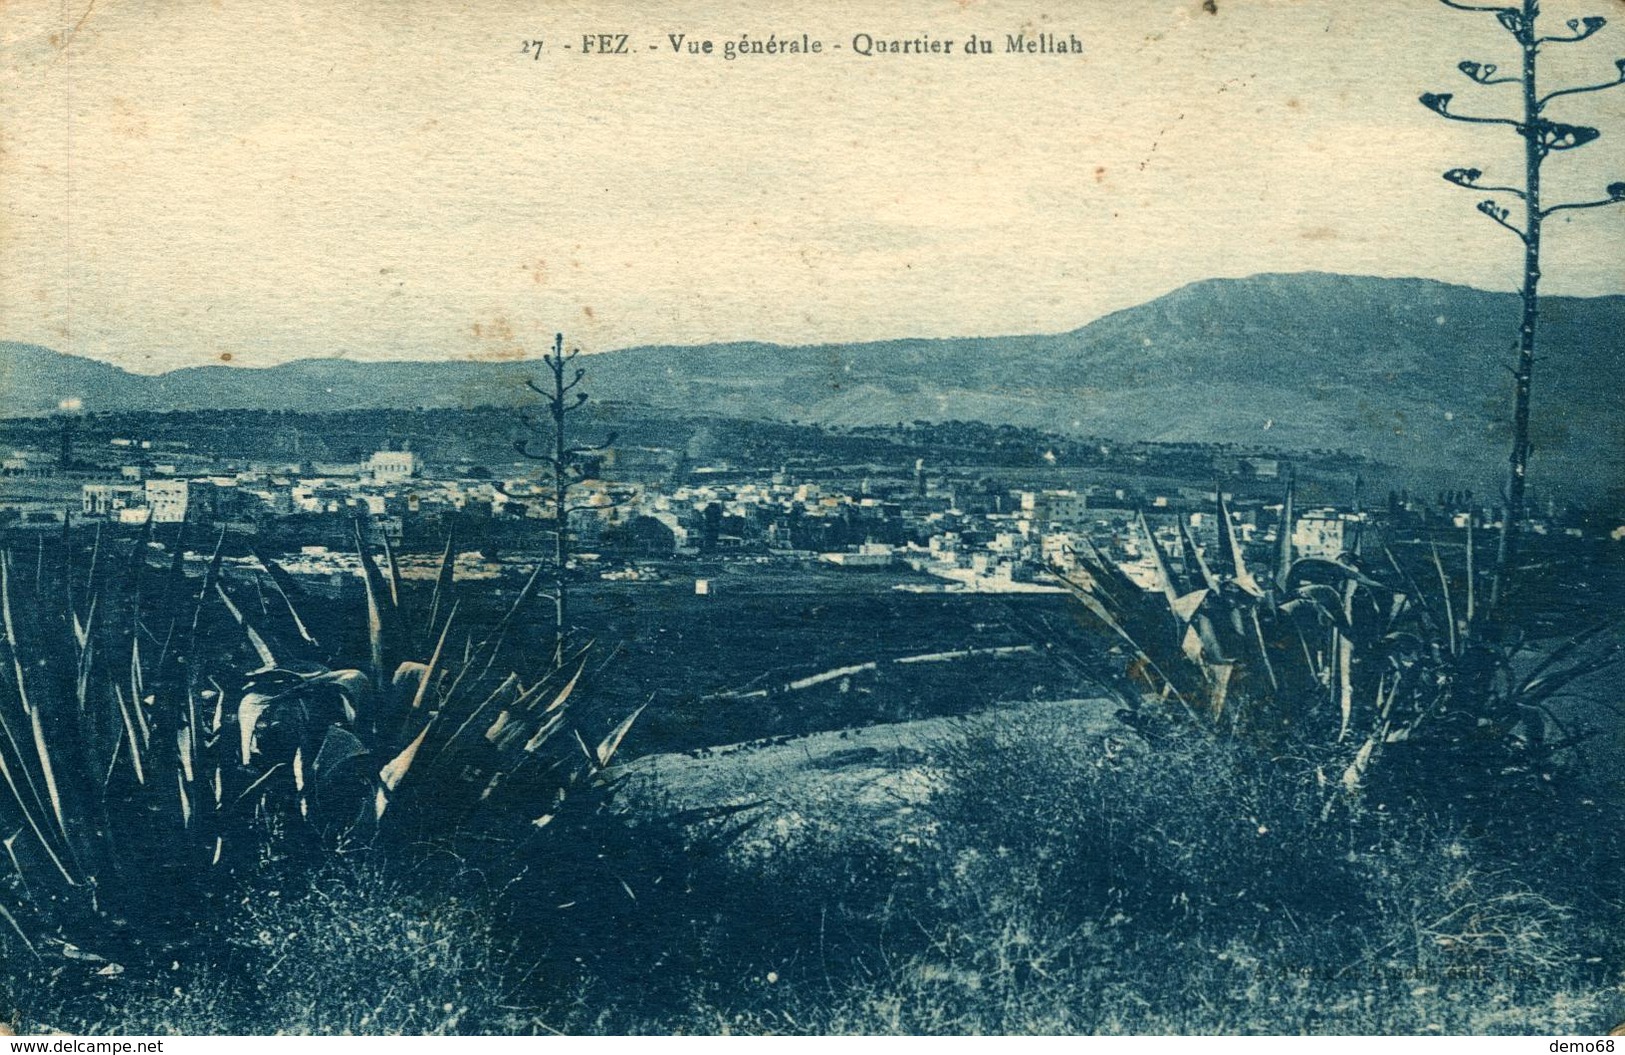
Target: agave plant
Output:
[(1337, 662), (164, 734)]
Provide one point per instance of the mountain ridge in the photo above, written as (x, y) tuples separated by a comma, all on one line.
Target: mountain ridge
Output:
[(1406, 371)]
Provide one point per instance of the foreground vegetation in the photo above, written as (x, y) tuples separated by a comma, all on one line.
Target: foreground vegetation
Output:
[(1121, 882), (1062, 869), (1069, 878)]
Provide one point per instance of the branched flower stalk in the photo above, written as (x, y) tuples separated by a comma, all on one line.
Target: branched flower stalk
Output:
[(1542, 137), (563, 466)]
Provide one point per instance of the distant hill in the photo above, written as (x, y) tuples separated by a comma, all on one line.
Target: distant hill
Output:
[(1406, 371)]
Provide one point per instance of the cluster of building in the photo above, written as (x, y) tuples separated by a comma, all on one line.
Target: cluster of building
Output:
[(959, 532)]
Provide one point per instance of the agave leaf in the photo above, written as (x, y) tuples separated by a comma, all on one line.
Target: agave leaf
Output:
[(394, 573), (611, 743), (1444, 592), (1413, 591), (249, 710), (138, 691), (375, 612), (177, 563), (34, 822), (354, 687), (261, 779), (390, 777), (507, 685), (211, 573), (95, 554), (1191, 645), (410, 671), (184, 750), (1345, 682), (1220, 674), (547, 729), (338, 746), (1164, 576), (513, 609), (444, 578), (1567, 648), (1283, 558), (1211, 650), (1328, 573), (1193, 556), (564, 693), (1085, 596), (1354, 775), (1105, 579), (1185, 607), (1263, 650), (12, 920), (42, 752), (1232, 550), (1472, 575), (396, 769), (434, 660), (129, 733), (1325, 602), (17, 671), (267, 660), (287, 588), (5, 605), (1550, 684), (218, 718)]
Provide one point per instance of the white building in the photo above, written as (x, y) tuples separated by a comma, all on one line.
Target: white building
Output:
[(869, 555), (28, 463), (393, 467), (1321, 533), (1066, 508), (1060, 550), (105, 500), (167, 500)]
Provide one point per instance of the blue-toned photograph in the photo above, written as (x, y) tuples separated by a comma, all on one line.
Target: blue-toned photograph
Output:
[(857, 519)]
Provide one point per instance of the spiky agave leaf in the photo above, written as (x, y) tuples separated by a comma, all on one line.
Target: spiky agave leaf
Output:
[(394, 572), (267, 659), (249, 710), (287, 589), (395, 770), (338, 746), (1231, 546), (42, 750), (444, 579), (374, 588)]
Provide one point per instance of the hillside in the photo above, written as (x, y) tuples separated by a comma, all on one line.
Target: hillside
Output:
[(1409, 372)]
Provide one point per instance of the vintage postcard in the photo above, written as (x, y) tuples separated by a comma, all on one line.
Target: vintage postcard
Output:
[(939, 516)]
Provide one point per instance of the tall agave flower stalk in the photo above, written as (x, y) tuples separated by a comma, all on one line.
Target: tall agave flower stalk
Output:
[(163, 734), (1334, 660)]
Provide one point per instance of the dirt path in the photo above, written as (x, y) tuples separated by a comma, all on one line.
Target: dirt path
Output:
[(866, 783)]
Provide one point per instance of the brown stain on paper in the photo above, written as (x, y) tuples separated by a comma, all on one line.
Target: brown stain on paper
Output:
[(496, 341)]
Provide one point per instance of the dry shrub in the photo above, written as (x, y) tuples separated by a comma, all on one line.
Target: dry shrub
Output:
[(1083, 882)]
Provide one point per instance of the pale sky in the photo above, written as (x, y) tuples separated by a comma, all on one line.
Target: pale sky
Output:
[(271, 180)]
